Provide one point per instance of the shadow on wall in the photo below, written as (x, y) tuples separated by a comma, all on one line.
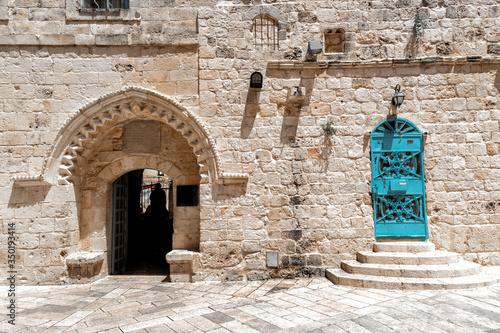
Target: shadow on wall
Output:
[(497, 81), (27, 196), (290, 123), (411, 49), (293, 109), (251, 109)]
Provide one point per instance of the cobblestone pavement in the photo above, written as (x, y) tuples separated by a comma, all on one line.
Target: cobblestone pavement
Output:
[(146, 304)]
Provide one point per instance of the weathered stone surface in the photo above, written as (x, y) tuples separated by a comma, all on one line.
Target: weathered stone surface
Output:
[(270, 179), (142, 137), (84, 264), (493, 48), (224, 52)]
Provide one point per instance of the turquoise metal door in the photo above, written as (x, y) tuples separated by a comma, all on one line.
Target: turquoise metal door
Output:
[(398, 187)]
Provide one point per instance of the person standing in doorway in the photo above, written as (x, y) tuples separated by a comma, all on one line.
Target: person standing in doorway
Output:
[(161, 222)]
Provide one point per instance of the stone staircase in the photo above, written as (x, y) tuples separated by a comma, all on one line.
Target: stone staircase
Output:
[(412, 265)]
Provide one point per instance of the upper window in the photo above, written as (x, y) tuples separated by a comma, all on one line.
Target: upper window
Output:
[(334, 40), (105, 4), (265, 32)]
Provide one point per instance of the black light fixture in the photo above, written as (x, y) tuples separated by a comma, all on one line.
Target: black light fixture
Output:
[(256, 80), (398, 97)]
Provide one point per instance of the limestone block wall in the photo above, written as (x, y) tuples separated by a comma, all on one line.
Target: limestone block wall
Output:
[(41, 88), (307, 197), (46, 227), (61, 22)]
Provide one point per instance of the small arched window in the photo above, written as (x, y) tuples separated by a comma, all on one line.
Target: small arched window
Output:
[(256, 80), (265, 32)]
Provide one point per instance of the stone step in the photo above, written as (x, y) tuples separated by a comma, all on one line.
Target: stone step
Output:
[(412, 247), (407, 258), (488, 276), (461, 268)]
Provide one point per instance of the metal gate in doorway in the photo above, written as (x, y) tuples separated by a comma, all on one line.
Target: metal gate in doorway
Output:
[(119, 237)]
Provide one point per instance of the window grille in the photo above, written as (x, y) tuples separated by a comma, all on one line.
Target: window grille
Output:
[(105, 4), (256, 80), (265, 31)]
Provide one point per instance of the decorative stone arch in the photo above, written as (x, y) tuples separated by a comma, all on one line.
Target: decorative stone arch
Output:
[(113, 170), (84, 128)]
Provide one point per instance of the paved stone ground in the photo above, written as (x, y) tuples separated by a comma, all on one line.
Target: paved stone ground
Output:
[(146, 304)]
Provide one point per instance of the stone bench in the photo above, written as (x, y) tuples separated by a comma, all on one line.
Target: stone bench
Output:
[(181, 265), (84, 264)]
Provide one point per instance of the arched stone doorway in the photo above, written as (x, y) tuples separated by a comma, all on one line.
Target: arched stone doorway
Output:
[(90, 153), (142, 218), (109, 160), (133, 129)]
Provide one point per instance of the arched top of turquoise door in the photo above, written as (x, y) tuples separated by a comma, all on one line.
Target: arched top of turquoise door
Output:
[(396, 134), (396, 126)]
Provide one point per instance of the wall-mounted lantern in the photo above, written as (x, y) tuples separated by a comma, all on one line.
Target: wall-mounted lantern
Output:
[(398, 97), (313, 48), (256, 80)]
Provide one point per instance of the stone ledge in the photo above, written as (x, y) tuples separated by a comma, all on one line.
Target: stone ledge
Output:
[(405, 246), (99, 40), (396, 62), (232, 178), (26, 181)]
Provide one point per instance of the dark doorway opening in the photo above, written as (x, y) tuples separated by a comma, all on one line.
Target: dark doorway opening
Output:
[(141, 228)]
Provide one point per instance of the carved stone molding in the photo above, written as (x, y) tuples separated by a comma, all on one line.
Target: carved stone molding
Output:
[(80, 132)]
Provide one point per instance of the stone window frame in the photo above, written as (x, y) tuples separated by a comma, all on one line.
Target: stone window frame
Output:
[(76, 12), (273, 13), (265, 33), (334, 31)]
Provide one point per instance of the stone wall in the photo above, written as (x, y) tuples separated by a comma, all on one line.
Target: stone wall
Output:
[(41, 89), (307, 196)]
